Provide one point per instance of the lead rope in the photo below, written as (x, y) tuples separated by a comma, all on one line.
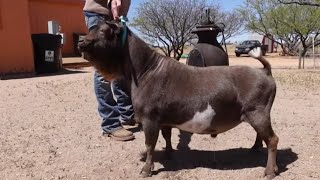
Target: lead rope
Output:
[(124, 20)]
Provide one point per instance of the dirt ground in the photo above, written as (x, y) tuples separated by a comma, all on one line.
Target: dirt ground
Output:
[(50, 129)]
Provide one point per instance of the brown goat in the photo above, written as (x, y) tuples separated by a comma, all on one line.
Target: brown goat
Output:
[(167, 94)]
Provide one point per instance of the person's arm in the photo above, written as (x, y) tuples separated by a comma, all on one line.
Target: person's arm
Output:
[(120, 8)]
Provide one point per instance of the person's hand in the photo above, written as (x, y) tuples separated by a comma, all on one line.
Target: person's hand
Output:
[(116, 9)]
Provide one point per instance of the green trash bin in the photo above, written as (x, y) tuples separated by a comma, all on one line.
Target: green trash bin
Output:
[(47, 53)]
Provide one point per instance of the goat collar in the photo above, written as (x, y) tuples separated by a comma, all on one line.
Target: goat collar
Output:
[(124, 20)]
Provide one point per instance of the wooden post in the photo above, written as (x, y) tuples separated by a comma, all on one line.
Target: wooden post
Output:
[(313, 50)]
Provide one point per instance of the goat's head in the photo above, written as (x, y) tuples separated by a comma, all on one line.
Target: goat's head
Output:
[(104, 48)]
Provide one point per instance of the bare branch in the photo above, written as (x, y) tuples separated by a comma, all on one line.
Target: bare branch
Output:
[(300, 2), (169, 23)]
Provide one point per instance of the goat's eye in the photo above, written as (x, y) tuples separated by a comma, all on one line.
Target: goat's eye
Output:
[(106, 32), (102, 32)]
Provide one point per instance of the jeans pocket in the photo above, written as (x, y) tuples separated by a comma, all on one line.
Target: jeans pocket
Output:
[(93, 21)]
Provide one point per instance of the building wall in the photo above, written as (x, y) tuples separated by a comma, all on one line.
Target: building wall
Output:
[(16, 52), (68, 13), (19, 19)]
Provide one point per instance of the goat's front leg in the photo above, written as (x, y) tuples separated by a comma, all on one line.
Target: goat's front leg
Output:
[(151, 131)]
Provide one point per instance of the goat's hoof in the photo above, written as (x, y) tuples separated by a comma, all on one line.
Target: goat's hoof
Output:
[(146, 171), (256, 149), (145, 174), (270, 177), (168, 153), (270, 174), (183, 147), (214, 135)]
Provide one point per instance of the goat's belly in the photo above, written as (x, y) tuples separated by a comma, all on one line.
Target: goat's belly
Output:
[(195, 127), (207, 122), (207, 127), (200, 123)]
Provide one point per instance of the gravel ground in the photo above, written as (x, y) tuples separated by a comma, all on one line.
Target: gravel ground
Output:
[(50, 129)]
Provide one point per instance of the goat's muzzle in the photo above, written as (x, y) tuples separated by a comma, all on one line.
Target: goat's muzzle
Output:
[(84, 44)]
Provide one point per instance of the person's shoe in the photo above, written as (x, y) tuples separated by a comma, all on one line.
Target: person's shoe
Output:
[(130, 122), (121, 135)]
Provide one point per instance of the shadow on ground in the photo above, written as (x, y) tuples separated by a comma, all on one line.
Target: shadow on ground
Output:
[(231, 159), (64, 71)]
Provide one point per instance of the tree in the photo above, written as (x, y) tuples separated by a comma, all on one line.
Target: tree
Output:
[(232, 21), (168, 24), (302, 2), (292, 26)]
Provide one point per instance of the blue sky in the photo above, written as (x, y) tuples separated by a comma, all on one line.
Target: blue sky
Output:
[(227, 5)]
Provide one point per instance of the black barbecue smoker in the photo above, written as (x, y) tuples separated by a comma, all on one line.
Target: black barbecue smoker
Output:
[(208, 51)]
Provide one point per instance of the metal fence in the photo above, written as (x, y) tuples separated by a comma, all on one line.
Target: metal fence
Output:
[(312, 58)]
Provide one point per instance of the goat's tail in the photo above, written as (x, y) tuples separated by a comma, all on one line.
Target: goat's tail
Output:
[(256, 53)]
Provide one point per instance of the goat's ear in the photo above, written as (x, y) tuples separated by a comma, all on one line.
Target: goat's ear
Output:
[(112, 24), (115, 26)]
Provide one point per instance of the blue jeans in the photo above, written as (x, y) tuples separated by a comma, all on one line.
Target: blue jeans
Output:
[(114, 103)]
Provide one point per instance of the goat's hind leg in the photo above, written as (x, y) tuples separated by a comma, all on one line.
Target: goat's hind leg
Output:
[(166, 133), (260, 121), (257, 144)]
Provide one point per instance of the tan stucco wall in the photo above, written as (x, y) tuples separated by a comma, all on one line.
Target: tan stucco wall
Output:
[(20, 19), (16, 53), (68, 13)]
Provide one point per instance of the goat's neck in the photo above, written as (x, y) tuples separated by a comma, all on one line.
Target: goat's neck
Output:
[(141, 58)]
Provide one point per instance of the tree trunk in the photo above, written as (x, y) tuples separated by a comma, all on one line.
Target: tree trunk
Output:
[(301, 57)]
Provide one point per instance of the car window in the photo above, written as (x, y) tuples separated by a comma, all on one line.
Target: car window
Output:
[(250, 42)]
